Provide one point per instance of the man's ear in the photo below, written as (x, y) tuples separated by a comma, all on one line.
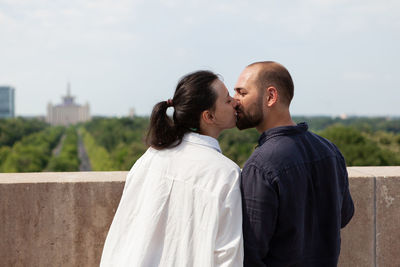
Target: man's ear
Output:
[(207, 116), (271, 95)]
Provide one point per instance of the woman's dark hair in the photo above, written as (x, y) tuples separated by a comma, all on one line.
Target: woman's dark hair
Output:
[(193, 95)]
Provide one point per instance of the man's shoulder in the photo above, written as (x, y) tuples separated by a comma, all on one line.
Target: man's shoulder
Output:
[(262, 159), (273, 151), (283, 151), (322, 141)]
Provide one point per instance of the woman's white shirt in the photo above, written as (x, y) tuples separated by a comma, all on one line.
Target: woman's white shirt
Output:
[(180, 207)]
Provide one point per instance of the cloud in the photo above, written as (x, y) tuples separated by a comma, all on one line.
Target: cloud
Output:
[(314, 18), (49, 23)]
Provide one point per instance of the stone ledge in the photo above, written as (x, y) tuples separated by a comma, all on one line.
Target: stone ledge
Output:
[(386, 172), (62, 219), (62, 177)]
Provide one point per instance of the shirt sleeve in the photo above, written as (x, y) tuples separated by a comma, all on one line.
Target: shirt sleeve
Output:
[(347, 211), (229, 242), (260, 210)]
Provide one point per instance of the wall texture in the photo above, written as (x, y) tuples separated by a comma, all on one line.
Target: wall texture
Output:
[(56, 219), (62, 219), (373, 236)]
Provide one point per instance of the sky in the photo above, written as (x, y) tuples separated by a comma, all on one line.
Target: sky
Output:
[(118, 54)]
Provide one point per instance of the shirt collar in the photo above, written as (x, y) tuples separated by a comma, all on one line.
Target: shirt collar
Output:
[(203, 140), (282, 130)]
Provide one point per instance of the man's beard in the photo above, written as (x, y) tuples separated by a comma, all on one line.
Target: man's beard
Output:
[(249, 119)]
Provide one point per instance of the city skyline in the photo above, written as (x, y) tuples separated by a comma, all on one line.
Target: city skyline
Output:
[(124, 54)]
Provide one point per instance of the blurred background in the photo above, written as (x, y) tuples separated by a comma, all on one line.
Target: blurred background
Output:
[(78, 79)]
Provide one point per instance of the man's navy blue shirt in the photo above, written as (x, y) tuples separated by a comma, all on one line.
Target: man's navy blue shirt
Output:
[(295, 200)]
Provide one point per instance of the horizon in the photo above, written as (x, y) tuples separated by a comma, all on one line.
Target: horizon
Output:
[(340, 116)]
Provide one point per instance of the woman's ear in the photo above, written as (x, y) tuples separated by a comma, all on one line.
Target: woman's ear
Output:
[(207, 116)]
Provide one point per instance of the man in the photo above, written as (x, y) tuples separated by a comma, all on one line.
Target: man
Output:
[(294, 186)]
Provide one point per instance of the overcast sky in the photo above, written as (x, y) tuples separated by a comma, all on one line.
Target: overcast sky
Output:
[(118, 54)]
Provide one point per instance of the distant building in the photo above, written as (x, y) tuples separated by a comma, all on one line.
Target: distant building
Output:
[(68, 112), (7, 102), (131, 113)]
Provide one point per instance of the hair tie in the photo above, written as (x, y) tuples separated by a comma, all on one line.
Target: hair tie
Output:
[(169, 103)]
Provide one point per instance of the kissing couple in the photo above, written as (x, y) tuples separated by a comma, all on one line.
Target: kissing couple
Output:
[(185, 204)]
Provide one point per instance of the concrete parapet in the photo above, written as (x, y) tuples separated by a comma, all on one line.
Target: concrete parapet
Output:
[(388, 220), (56, 219), (358, 243), (62, 219), (372, 238)]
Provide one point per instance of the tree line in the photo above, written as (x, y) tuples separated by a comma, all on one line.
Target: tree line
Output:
[(31, 153), (116, 143)]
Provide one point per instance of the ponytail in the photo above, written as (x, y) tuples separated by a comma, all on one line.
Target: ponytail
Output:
[(162, 132)]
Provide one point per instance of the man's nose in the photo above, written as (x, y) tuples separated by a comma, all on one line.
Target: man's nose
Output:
[(236, 102)]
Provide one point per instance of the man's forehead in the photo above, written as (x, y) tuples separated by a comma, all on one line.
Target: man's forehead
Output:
[(246, 76)]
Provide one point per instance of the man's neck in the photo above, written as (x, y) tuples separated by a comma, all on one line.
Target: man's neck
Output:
[(276, 120)]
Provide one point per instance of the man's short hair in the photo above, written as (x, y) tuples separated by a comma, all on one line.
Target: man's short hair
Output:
[(271, 73)]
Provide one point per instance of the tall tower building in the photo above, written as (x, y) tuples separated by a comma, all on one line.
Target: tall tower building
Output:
[(68, 112), (7, 102)]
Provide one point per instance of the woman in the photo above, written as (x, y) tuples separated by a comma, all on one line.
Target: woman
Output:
[(181, 203)]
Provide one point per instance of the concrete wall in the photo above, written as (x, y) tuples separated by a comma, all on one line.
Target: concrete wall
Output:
[(373, 236), (56, 219), (62, 219)]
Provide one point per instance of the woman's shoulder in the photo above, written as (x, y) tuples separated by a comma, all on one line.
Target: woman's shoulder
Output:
[(219, 165), (228, 163), (217, 160)]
